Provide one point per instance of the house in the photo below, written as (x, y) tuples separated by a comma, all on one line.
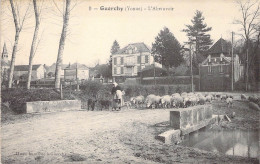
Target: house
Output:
[(74, 71), (5, 64), (21, 72), (216, 70), (128, 61)]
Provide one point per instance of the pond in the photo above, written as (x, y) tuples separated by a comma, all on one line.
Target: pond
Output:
[(230, 142)]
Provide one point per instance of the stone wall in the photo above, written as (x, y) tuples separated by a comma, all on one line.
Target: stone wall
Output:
[(52, 106), (185, 118)]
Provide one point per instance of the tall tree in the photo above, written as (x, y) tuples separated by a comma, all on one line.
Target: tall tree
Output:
[(62, 44), (34, 42), (250, 27), (197, 33), (19, 23), (114, 49), (167, 49)]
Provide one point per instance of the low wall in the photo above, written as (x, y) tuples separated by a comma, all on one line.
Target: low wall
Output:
[(185, 118), (52, 106)]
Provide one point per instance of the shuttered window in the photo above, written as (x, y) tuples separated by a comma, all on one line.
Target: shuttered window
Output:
[(138, 59), (146, 59), (115, 70), (122, 60), (115, 61), (122, 70)]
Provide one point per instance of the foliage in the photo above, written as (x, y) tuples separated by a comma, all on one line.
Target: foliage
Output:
[(197, 33), (167, 49), (114, 49), (104, 70)]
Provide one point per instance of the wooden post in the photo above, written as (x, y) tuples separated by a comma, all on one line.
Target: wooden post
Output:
[(61, 94)]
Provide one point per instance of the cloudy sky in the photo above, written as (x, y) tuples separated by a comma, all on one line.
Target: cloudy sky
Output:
[(92, 32)]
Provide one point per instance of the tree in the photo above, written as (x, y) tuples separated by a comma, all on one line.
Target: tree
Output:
[(62, 44), (19, 23), (114, 49), (167, 49), (34, 42), (197, 33), (250, 26)]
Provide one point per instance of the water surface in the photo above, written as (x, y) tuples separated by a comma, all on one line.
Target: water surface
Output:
[(231, 142)]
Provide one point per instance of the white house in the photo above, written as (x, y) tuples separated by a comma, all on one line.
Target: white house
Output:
[(38, 71), (128, 61), (74, 71)]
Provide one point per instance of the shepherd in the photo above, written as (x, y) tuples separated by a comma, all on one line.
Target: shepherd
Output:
[(117, 96)]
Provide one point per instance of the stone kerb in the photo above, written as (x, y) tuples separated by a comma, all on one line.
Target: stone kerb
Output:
[(188, 117), (52, 106)]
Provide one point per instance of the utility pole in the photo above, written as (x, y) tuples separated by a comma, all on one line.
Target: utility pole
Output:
[(140, 67), (191, 72), (77, 76), (232, 64), (247, 67)]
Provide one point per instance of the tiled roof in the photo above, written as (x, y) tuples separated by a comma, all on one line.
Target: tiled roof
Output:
[(25, 67), (140, 47), (221, 46)]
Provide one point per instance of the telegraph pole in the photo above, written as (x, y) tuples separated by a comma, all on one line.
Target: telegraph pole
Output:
[(77, 76), (232, 64), (191, 72)]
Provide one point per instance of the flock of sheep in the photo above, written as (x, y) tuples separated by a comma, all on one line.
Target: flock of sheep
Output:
[(177, 100)]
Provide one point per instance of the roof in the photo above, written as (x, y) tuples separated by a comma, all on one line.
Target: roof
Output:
[(221, 46), (25, 67), (137, 47), (217, 60), (74, 66)]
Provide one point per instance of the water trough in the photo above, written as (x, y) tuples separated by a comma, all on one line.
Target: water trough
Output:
[(185, 121)]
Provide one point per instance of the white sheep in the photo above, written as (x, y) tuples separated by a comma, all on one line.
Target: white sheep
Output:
[(177, 101), (229, 101), (166, 101)]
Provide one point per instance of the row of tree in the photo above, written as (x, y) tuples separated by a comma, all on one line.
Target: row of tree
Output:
[(19, 24)]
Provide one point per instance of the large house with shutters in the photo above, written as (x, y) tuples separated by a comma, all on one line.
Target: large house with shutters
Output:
[(130, 60), (216, 70)]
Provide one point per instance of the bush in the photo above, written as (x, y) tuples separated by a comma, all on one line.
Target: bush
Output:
[(18, 97)]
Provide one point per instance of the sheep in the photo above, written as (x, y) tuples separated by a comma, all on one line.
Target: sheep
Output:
[(186, 101), (158, 101), (193, 100), (208, 98), (202, 100), (177, 101), (229, 102), (139, 100), (184, 94), (223, 97), (166, 101), (150, 100), (243, 97)]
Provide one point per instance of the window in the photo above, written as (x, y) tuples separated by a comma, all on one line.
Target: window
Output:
[(115, 62), (146, 59), (220, 68), (122, 60), (138, 68), (115, 72), (138, 59), (209, 69), (122, 70)]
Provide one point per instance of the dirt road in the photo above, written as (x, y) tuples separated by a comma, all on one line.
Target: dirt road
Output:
[(127, 136)]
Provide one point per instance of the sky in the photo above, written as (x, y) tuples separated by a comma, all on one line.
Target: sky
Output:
[(92, 32)]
